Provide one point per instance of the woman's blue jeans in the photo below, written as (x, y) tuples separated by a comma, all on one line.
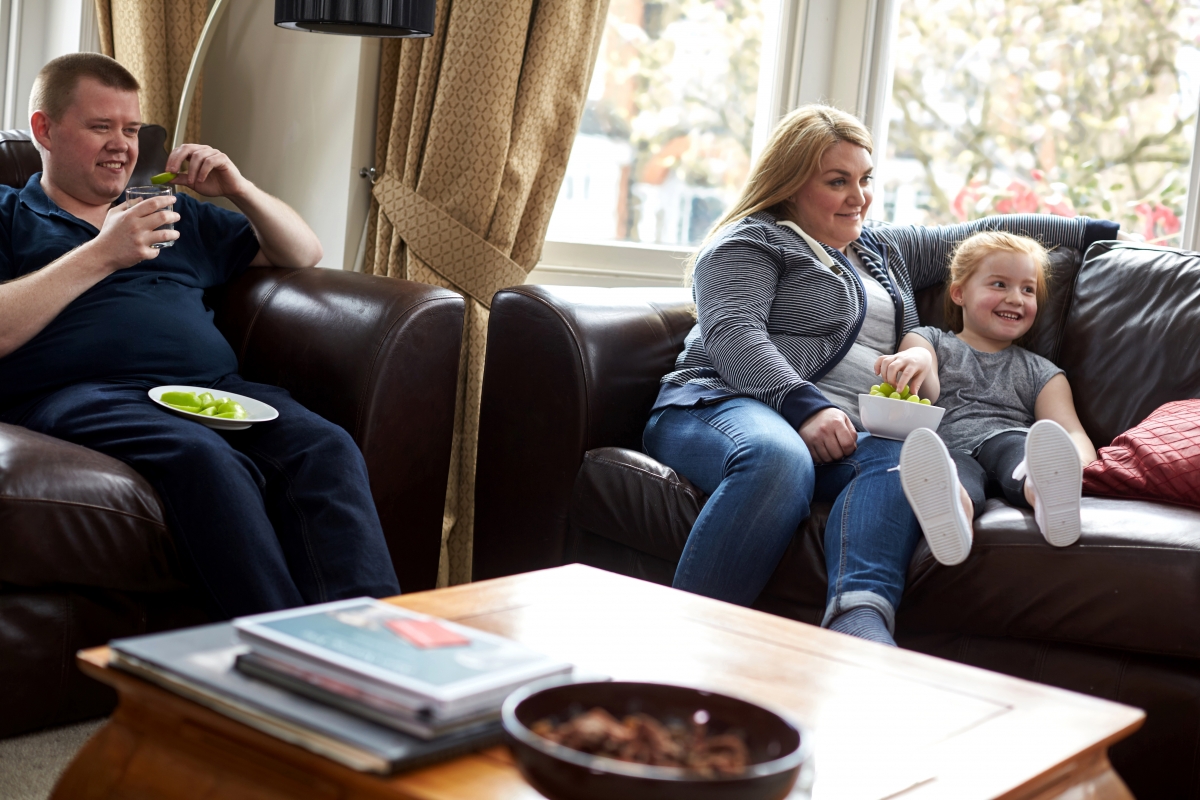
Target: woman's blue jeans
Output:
[(760, 480)]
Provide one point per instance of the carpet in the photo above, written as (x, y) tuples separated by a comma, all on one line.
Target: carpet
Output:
[(30, 764)]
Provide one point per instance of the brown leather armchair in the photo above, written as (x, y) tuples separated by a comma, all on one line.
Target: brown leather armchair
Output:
[(84, 553), (569, 379)]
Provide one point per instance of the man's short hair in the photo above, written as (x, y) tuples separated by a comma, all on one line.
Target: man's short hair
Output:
[(54, 87)]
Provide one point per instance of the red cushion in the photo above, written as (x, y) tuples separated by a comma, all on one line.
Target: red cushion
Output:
[(1158, 459)]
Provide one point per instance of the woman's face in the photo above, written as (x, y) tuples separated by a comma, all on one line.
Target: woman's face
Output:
[(831, 206)]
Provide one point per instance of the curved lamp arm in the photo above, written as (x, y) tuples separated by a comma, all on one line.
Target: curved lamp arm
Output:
[(189, 83)]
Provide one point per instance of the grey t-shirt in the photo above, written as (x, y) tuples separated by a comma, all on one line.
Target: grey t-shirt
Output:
[(984, 393), (855, 373)]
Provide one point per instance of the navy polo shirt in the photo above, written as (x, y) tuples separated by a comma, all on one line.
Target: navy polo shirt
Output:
[(147, 324)]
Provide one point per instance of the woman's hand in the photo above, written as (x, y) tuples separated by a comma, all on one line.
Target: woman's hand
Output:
[(909, 368), (830, 435), (1126, 236)]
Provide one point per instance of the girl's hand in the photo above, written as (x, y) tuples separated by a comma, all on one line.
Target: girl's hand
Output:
[(909, 368)]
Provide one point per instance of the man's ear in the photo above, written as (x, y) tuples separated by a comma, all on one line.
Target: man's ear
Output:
[(39, 123)]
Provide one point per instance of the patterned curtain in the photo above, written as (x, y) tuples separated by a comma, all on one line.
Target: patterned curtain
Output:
[(154, 40), (475, 127)]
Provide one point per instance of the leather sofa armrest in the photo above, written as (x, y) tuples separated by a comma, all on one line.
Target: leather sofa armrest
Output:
[(73, 516), (568, 369), (379, 357)]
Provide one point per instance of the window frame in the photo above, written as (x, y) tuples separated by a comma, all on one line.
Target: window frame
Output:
[(799, 66), (797, 44), (10, 41), (1191, 215), (26, 45)]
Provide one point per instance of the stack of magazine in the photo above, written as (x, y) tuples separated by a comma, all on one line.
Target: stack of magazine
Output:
[(371, 685)]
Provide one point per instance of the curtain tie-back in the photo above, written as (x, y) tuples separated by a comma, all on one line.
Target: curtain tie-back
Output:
[(448, 247)]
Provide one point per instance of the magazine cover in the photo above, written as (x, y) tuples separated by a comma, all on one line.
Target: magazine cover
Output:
[(378, 642), (198, 663)]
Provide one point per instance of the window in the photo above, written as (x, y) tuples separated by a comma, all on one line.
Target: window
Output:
[(665, 141), (683, 94), (1042, 106), (31, 33), (977, 107)]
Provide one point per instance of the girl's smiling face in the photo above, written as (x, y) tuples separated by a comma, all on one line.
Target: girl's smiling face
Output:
[(999, 300)]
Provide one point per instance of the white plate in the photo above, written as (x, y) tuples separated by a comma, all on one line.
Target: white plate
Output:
[(256, 410), (896, 419)]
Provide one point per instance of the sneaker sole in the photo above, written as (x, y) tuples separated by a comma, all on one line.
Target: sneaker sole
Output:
[(1054, 465), (928, 474)]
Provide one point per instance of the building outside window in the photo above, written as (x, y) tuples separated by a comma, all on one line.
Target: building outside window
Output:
[(665, 141), (995, 106)]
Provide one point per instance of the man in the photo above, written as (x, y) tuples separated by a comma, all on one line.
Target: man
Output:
[(92, 316)]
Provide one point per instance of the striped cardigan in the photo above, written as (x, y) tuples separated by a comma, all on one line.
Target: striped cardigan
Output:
[(772, 320)]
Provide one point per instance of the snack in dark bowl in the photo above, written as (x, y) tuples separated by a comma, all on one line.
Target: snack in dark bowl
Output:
[(642, 739), (552, 727)]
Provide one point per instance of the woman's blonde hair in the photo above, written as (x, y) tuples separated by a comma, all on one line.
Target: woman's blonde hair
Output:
[(791, 157), (971, 252)]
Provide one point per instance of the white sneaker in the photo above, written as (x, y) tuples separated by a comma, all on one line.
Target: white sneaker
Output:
[(930, 482), (1054, 474)]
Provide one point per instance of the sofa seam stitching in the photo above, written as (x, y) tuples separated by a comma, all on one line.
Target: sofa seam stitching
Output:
[(1084, 546), (642, 470), (587, 406), (75, 503), (371, 370), (257, 313)]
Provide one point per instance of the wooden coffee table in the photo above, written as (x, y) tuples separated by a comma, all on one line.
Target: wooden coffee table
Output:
[(886, 723)]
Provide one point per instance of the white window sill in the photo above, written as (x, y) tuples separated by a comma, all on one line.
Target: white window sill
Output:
[(610, 264)]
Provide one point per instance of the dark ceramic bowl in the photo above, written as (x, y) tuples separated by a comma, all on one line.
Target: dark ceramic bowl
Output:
[(778, 747)]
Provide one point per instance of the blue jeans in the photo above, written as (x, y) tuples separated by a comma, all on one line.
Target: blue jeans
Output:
[(275, 516), (760, 479)]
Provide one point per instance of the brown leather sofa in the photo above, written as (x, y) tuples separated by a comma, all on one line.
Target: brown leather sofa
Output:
[(84, 553), (569, 380)]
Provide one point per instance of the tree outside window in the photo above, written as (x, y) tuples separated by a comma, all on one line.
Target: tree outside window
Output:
[(1044, 106)]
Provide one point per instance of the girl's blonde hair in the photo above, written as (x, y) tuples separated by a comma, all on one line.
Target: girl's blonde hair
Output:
[(971, 252), (791, 157)]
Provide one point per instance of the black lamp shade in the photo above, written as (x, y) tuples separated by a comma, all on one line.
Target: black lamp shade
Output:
[(381, 18)]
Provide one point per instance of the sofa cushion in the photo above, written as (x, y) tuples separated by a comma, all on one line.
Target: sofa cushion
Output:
[(627, 498), (1131, 582), (70, 515), (1129, 343), (40, 632), (633, 500), (1158, 459), (1134, 559)]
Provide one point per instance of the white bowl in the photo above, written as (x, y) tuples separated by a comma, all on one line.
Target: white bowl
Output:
[(256, 410), (889, 418)]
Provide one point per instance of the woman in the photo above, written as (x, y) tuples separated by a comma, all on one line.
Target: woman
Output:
[(795, 303)]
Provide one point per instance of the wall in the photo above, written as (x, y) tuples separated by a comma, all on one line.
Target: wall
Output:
[(296, 113)]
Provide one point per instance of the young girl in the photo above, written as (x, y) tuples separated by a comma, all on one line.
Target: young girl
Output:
[(1010, 422)]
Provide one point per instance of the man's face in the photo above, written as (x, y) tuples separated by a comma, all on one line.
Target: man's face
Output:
[(91, 151)]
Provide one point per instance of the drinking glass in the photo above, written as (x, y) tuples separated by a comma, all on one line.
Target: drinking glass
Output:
[(136, 194)]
